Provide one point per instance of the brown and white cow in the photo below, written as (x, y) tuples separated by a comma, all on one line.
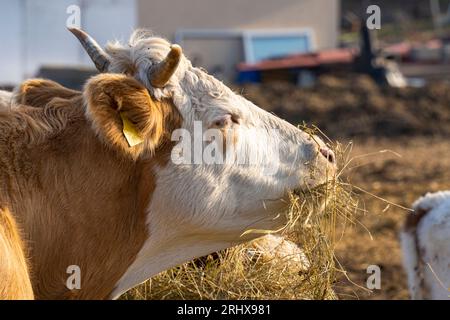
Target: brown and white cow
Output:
[(79, 195)]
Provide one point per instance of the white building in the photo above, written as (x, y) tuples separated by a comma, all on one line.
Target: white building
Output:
[(33, 32), (215, 34)]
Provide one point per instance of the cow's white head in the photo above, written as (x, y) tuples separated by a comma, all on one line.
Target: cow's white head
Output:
[(232, 166)]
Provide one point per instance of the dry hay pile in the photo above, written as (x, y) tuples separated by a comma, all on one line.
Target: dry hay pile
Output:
[(236, 274)]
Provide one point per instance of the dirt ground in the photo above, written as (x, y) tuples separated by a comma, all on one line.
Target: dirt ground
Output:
[(401, 140), (353, 106), (420, 165)]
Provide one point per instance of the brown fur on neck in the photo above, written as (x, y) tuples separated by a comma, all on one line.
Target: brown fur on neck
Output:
[(79, 199)]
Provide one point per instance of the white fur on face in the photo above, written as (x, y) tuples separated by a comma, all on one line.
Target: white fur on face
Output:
[(197, 208)]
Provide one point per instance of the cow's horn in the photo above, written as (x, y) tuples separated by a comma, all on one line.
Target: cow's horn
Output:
[(95, 52), (160, 74)]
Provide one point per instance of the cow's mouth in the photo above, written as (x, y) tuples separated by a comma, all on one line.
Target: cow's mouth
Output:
[(319, 189), (314, 200), (297, 192)]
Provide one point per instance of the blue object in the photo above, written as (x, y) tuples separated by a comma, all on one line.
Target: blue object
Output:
[(249, 77)]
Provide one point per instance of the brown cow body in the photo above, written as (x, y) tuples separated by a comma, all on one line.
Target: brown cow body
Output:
[(76, 200)]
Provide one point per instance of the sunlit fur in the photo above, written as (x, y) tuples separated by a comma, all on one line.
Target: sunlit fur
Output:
[(14, 275)]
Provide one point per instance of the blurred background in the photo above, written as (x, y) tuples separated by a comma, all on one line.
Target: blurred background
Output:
[(380, 86), (238, 41)]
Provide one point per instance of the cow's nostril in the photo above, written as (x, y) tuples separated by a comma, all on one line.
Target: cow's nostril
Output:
[(328, 154)]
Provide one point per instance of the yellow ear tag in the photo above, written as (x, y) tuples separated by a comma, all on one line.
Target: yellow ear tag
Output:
[(130, 132)]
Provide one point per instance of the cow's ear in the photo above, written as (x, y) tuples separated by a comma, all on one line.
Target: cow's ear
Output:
[(124, 114), (39, 92)]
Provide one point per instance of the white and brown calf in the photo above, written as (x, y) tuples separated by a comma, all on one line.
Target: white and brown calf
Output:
[(426, 247)]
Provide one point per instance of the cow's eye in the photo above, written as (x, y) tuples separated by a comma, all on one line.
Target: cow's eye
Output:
[(235, 118), (225, 121)]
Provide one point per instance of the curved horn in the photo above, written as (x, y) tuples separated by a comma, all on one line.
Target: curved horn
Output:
[(93, 49), (160, 74)]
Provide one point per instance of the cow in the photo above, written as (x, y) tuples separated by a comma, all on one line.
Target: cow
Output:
[(425, 240), (82, 197), (271, 248)]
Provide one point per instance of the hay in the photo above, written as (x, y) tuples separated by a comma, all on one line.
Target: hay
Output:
[(235, 274)]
